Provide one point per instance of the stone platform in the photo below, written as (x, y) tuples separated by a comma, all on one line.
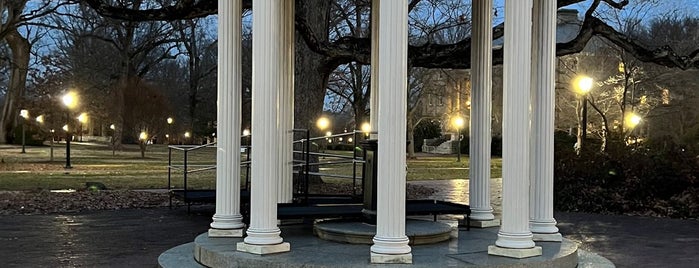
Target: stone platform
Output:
[(469, 249), (419, 232)]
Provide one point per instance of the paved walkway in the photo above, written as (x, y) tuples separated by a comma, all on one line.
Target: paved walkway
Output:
[(135, 237)]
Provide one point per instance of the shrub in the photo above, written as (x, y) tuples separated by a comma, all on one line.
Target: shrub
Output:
[(627, 179)]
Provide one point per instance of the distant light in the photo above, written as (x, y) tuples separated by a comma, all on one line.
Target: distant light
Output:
[(246, 132), (40, 119), (327, 134), (167, 136), (65, 127), (458, 122), (143, 136), (82, 118), (112, 127), (53, 130), (24, 113), (170, 120), (632, 119), (349, 140), (323, 123), (584, 84), (366, 127), (70, 99), (187, 134)]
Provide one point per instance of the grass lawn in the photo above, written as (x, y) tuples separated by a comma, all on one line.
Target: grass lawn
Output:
[(126, 169)]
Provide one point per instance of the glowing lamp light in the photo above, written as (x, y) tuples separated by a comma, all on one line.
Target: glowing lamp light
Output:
[(459, 122), (40, 119), (24, 113), (187, 134), (328, 134), (143, 136), (65, 127), (170, 120), (112, 127), (82, 118), (70, 99), (246, 132), (584, 84), (366, 127), (323, 123), (632, 119)]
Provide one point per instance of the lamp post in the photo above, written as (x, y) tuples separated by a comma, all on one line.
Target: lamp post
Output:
[(70, 100), (583, 85), (632, 120), (40, 121), (458, 123), (24, 114), (322, 124), (143, 142), (113, 140), (51, 144), (366, 128), (186, 136), (82, 118), (169, 129)]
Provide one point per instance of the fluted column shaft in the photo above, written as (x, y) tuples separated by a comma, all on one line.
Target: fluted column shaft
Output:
[(390, 236), (374, 85), (543, 101), (514, 232), (286, 103), (229, 91), (266, 27), (481, 110)]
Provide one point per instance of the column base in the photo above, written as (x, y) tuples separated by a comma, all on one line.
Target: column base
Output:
[(391, 258), (485, 223), (213, 232), (554, 237), (263, 249), (518, 253)]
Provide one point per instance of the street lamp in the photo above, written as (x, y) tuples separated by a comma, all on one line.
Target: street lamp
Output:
[(458, 123), (24, 114), (323, 123), (143, 139), (187, 135), (82, 118), (169, 128), (632, 120), (584, 84), (113, 140), (70, 100), (366, 128)]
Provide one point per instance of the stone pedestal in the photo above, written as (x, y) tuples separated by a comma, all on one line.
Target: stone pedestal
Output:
[(518, 253), (263, 249)]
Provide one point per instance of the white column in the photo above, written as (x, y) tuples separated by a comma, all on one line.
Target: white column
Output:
[(541, 220), (286, 104), (374, 86), (390, 242), (263, 233), (227, 221), (514, 238), (481, 113)]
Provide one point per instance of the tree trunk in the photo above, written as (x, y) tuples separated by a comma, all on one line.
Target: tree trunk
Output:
[(19, 46), (312, 72), (411, 137)]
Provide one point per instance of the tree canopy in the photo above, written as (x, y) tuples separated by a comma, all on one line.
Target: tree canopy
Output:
[(432, 55)]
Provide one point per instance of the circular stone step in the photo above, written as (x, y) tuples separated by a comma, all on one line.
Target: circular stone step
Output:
[(355, 232)]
